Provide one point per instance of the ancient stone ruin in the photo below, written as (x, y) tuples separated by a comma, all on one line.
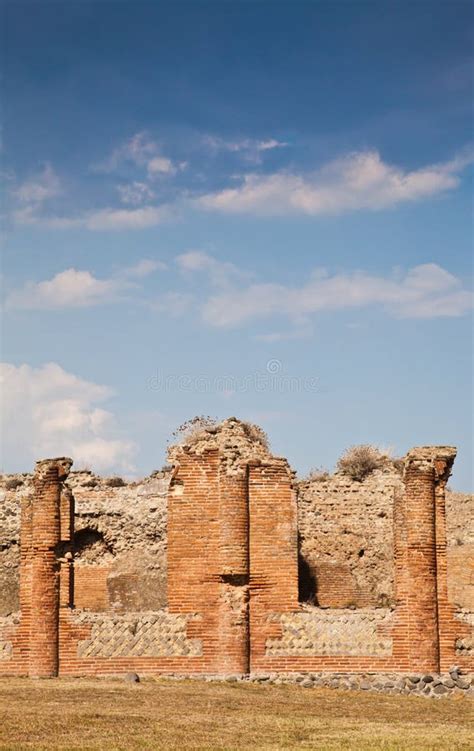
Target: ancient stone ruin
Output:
[(223, 563)]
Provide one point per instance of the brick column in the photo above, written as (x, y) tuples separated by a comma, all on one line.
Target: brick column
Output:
[(46, 535), (448, 627), (273, 552), (421, 557), (208, 556), (67, 505), (234, 569)]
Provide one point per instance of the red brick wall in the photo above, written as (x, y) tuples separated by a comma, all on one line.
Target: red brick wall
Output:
[(232, 580), (90, 587), (273, 553)]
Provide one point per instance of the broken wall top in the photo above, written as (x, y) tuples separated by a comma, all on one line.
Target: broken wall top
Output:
[(238, 443)]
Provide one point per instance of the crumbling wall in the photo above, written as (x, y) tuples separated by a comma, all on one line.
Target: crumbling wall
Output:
[(231, 600), (346, 539), (120, 542), (345, 529), (12, 489), (460, 540), (120, 559)]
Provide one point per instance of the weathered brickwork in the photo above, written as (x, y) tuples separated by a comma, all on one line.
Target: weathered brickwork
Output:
[(205, 567)]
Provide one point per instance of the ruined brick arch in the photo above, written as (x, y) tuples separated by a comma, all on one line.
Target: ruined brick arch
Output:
[(90, 542)]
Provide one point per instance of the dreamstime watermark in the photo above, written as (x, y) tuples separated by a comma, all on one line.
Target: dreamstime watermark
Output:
[(271, 379)]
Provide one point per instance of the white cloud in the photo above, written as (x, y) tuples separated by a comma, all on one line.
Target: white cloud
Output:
[(102, 220), (161, 165), (119, 219), (172, 303), (426, 291), (358, 181), (143, 152), (220, 272), (68, 289), (39, 188), (135, 193), (49, 412), (79, 289), (138, 149), (143, 268), (250, 148)]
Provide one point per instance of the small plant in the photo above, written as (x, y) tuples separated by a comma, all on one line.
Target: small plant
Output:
[(255, 433), (358, 462), (399, 464), (317, 474), (192, 429), (115, 482)]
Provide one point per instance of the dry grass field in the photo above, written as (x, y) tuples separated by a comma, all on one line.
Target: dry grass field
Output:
[(191, 715)]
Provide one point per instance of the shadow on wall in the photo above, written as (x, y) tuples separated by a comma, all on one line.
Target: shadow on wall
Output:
[(307, 584), (90, 545)]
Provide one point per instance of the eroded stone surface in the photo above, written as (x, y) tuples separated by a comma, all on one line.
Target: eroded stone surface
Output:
[(157, 634), (334, 632)]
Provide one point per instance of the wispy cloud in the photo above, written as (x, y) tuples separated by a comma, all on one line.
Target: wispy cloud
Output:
[(33, 193), (39, 187), (118, 219), (143, 152), (358, 181), (135, 193), (427, 291), (250, 149), (103, 220), (73, 288), (48, 411), (220, 272)]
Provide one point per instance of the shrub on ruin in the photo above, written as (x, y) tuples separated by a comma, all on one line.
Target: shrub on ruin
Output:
[(317, 474), (115, 482), (255, 434), (358, 462), (399, 464), (192, 429), (13, 483)]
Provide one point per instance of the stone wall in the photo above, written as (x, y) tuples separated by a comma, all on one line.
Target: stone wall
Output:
[(346, 539), (120, 541), (155, 634), (334, 632)]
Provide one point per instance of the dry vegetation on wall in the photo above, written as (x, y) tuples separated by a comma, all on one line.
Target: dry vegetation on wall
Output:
[(358, 462), (197, 427), (176, 715)]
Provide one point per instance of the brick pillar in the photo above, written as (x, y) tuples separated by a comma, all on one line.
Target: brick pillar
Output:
[(421, 556), (273, 552), (448, 628), (208, 556), (26, 529), (234, 570), (66, 594), (46, 535)]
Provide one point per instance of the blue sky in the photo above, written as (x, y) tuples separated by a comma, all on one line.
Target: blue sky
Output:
[(258, 209)]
